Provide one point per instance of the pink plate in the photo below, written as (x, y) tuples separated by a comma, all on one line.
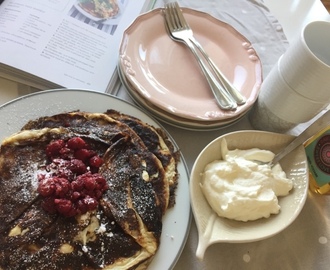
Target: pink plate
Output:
[(165, 73)]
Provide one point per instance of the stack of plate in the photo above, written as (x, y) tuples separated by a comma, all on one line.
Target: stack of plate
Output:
[(163, 76)]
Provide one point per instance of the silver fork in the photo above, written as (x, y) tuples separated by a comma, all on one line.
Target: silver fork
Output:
[(224, 100), (181, 31)]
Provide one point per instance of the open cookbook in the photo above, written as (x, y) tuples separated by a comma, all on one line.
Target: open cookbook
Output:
[(49, 44)]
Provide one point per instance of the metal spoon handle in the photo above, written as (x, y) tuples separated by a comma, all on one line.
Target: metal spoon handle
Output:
[(225, 101), (316, 126), (238, 97)]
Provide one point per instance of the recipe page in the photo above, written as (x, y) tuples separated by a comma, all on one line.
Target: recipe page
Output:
[(68, 42)]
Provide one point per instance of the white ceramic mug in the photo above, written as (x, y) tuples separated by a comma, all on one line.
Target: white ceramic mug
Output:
[(279, 107), (298, 86), (305, 66)]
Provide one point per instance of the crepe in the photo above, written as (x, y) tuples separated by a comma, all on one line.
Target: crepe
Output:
[(123, 231)]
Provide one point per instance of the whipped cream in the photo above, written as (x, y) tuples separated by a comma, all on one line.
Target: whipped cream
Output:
[(241, 188)]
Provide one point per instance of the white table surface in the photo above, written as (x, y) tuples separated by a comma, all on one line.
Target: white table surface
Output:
[(303, 245)]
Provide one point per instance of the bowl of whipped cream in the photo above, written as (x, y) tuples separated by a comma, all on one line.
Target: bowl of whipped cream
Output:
[(238, 195)]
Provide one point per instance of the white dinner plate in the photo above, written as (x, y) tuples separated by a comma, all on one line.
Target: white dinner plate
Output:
[(176, 222), (166, 74)]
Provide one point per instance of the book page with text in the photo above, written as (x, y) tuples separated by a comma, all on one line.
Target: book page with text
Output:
[(67, 42)]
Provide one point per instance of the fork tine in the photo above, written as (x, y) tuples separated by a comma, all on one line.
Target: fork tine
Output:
[(174, 19), (174, 16), (169, 18), (182, 21)]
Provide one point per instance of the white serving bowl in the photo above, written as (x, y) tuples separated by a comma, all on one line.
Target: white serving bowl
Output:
[(214, 229)]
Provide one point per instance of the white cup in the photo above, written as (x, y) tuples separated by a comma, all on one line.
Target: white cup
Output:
[(305, 66), (279, 107), (298, 86)]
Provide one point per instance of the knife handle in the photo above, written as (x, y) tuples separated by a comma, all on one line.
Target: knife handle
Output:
[(319, 124)]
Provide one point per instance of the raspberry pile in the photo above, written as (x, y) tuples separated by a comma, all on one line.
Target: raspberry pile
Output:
[(71, 184)]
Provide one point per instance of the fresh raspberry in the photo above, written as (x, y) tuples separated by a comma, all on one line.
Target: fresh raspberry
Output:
[(90, 183), (101, 182), (62, 186), (53, 149), (46, 187), (66, 153), (78, 184), (65, 207), (84, 154), (76, 143), (77, 166), (96, 161)]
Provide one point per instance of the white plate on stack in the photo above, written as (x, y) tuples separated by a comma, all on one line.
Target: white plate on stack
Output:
[(162, 75), (169, 118)]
